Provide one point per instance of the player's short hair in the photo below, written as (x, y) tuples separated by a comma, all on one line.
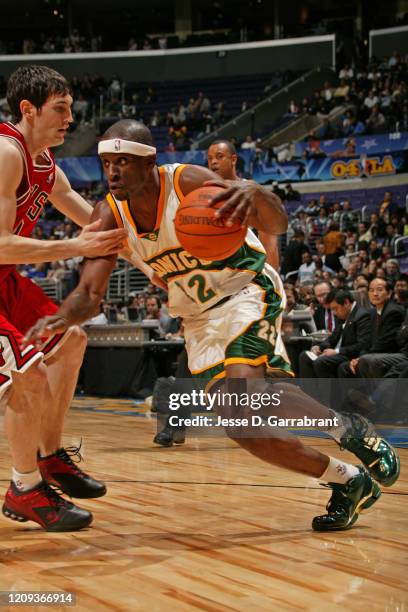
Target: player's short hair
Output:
[(231, 148), (340, 296), (35, 84), (130, 129)]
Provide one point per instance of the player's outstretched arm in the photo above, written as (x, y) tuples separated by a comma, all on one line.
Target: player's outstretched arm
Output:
[(255, 205), (83, 302), (15, 249)]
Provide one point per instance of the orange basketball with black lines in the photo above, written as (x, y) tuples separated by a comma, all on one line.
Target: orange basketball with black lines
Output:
[(203, 234)]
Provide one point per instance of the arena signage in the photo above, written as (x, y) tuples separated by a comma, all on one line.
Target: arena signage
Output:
[(361, 167)]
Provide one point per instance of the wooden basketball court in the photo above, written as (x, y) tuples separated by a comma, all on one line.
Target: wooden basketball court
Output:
[(204, 527)]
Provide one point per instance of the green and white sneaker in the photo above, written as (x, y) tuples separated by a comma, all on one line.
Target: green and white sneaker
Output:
[(347, 501), (377, 455)]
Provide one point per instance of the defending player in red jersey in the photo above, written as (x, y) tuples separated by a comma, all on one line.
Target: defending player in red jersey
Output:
[(38, 384)]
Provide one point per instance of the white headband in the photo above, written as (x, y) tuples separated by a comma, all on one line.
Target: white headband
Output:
[(117, 145)]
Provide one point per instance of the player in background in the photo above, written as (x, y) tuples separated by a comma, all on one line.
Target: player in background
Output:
[(222, 159), (38, 383), (235, 330)]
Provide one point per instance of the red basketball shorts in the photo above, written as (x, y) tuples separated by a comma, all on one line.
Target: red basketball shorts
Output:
[(22, 303)]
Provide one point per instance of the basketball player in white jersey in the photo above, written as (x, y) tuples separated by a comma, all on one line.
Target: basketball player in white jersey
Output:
[(222, 159), (231, 309)]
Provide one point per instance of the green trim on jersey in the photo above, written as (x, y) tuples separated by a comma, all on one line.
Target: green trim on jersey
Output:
[(175, 261), (259, 338)]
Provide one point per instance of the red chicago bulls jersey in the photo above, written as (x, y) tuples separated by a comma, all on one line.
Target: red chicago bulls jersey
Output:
[(34, 189)]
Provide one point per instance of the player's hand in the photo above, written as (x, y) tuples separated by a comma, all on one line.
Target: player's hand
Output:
[(239, 199), (93, 243), (44, 328), (353, 365)]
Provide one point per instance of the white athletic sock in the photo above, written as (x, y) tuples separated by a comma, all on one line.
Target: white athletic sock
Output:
[(337, 431), (338, 471), (25, 481)]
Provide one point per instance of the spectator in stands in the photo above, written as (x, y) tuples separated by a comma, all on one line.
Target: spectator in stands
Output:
[(307, 269), (376, 120), (345, 260), (115, 88), (327, 92), (139, 305), (306, 295), (349, 339), (385, 319), (346, 73), (341, 91), (312, 208), (373, 249), (293, 109), (371, 100), (392, 271), (202, 103), (293, 254), (293, 301), (333, 240), (388, 205), (80, 108), (278, 191), (132, 44), (291, 194), (56, 270), (364, 236), (361, 283), (323, 316), (114, 108), (391, 235), (401, 291), (249, 144), (321, 222), (155, 119)]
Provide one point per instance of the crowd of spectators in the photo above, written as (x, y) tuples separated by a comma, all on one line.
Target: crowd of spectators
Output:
[(356, 263), (375, 98)]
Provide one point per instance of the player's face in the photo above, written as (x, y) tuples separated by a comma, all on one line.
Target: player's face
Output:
[(221, 161), (52, 120), (126, 174)]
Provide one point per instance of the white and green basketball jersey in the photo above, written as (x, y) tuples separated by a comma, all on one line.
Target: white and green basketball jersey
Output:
[(194, 285)]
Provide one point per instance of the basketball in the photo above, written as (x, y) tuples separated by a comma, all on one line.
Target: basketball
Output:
[(203, 234)]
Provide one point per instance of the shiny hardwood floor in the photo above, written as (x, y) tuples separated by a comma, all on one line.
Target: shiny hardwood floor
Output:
[(204, 527)]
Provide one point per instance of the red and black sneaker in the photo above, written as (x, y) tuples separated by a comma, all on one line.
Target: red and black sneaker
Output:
[(62, 471), (45, 506)]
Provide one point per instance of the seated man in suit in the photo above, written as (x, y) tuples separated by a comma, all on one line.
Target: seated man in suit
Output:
[(323, 316), (350, 338), (386, 319)]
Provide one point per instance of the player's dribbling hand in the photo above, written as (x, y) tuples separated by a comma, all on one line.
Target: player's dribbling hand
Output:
[(239, 200), (94, 243), (48, 326)]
